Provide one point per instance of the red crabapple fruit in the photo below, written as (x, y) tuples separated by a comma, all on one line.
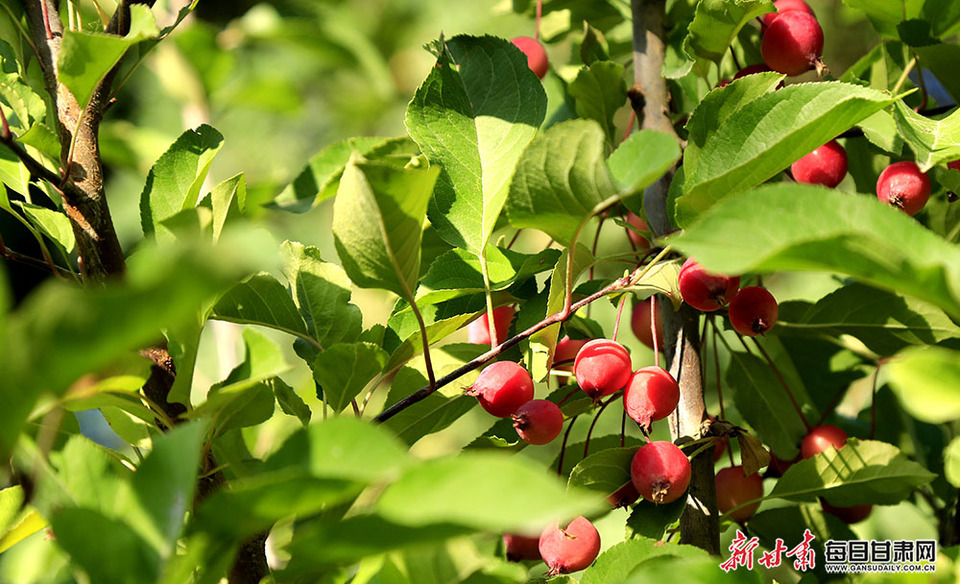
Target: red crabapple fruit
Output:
[(793, 43), (602, 367), (903, 186), (566, 352), (640, 324), (624, 496), (849, 515), (479, 329), (521, 547), (634, 220), (734, 489), (570, 549), (660, 472), (826, 165), (651, 394), (538, 421), (821, 438), (704, 290), (502, 387), (753, 311), (785, 6), (536, 55)]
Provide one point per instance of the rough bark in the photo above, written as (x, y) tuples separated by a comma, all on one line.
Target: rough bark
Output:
[(650, 98)]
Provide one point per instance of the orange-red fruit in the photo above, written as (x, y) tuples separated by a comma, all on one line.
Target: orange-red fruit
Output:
[(651, 394), (479, 330), (641, 242), (536, 54), (786, 6), (821, 438), (640, 324), (903, 186), (538, 421), (954, 164), (624, 496), (793, 43), (520, 547), (826, 165), (570, 549), (735, 489), (753, 311), (566, 352), (602, 367), (849, 515), (704, 290), (660, 472), (502, 387)]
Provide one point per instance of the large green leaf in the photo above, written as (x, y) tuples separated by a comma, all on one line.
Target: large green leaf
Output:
[(642, 158), (883, 321), (53, 224), (378, 220), (717, 22), (87, 57), (927, 381), (431, 414), (598, 92), (322, 293), (85, 534), (932, 141), (261, 300), (562, 180), (435, 491), (604, 471), (831, 231), (862, 472), (617, 563), (767, 135), (473, 115), (174, 182), (344, 369)]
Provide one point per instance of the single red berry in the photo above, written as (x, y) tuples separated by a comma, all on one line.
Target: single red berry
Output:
[(479, 330), (660, 472), (566, 352), (640, 324), (634, 220), (954, 164), (536, 54), (821, 438), (719, 447), (753, 311), (704, 290), (624, 496), (780, 466), (570, 549), (793, 43), (651, 394), (849, 515), (826, 165), (602, 367), (903, 186), (538, 421), (520, 547), (734, 489), (786, 6), (502, 387)]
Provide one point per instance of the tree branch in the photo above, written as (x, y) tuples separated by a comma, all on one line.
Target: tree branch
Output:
[(650, 98)]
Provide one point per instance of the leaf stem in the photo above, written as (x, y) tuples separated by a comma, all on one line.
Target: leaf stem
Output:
[(563, 445), (603, 406)]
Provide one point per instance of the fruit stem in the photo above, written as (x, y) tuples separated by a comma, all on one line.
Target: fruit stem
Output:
[(716, 365), (616, 323), (568, 396), (563, 445), (736, 62), (623, 428), (783, 382), (603, 406), (653, 330), (536, 33)]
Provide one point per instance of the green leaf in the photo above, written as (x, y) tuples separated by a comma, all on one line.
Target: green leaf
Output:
[(619, 562), (789, 525), (174, 182), (226, 200), (883, 321), (649, 520), (767, 135), (85, 534), (562, 180), (319, 180), (604, 471), (951, 464), (880, 129), (435, 492), (26, 108), (378, 220), (473, 115), (261, 300), (932, 141), (54, 225), (344, 369), (765, 405), (831, 231), (599, 91), (641, 159), (86, 57), (322, 293), (412, 345), (862, 472), (431, 414), (17, 520), (941, 60), (927, 381), (717, 23), (885, 15), (289, 401)]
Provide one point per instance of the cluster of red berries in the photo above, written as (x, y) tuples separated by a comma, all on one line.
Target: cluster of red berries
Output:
[(752, 310)]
